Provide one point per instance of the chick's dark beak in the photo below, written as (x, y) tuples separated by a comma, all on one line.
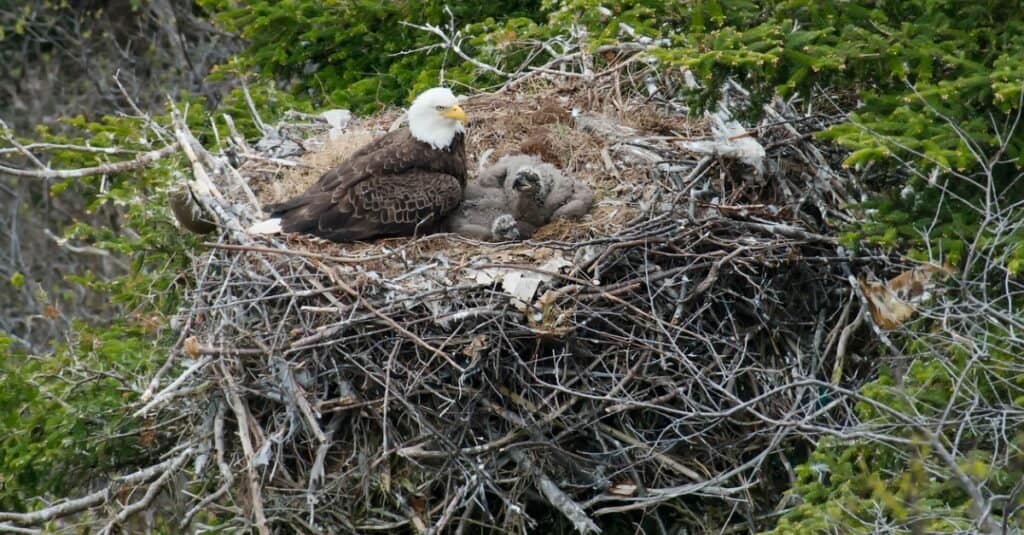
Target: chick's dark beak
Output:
[(526, 181)]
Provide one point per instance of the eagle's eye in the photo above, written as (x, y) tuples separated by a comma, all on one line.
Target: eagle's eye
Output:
[(439, 108)]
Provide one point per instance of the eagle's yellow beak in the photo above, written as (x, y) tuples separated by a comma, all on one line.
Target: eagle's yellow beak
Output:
[(455, 112)]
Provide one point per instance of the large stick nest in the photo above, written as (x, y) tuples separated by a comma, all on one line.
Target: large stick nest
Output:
[(667, 352)]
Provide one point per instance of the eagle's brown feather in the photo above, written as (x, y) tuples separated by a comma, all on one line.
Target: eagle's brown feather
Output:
[(394, 186)]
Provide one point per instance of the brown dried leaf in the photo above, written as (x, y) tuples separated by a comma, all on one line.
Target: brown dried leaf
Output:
[(476, 345), (192, 346), (418, 503), (916, 284), (886, 308), (893, 302), (147, 437), (546, 316)]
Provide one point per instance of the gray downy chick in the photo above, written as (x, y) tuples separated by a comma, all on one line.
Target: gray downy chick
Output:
[(484, 214), (537, 191), (514, 197)]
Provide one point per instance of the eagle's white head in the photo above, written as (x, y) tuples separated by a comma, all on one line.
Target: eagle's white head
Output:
[(435, 117)]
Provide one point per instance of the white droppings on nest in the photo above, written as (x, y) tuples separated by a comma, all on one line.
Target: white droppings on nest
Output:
[(269, 226), (521, 284), (731, 140), (338, 121)]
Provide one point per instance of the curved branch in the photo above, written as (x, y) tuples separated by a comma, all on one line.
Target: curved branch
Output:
[(139, 162), (96, 498)]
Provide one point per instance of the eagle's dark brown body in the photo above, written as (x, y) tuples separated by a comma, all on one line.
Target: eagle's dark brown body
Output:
[(397, 185)]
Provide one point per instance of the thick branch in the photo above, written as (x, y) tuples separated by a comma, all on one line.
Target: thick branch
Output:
[(141, 161), (96, 498)]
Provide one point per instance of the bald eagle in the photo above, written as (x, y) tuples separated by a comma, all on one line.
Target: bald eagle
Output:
[(398, 185)]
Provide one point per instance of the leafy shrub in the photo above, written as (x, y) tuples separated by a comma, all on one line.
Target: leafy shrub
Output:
[(350, 53), (933, 77), (940, 89), (68, 414), (918, 68)]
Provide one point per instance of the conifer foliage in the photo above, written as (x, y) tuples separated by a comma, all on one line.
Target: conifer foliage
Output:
[(931, 92)]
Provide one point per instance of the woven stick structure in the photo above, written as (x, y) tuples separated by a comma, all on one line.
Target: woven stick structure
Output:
[(664, 354)]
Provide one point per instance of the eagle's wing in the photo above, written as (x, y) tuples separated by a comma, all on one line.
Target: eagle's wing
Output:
[(392, 154), (391, 205)]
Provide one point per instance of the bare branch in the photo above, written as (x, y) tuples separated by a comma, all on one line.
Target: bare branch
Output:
[(139, 162)]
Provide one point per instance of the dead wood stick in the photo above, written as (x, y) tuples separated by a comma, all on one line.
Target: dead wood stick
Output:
[(21, 148), (556, 496), (139, 162), (290, 252), (387, 394), (202, 184), (225, 470), (526, 267), (168, 391), (298, 397), (151, 492), (236, 137), (844, 338), (665, 459), (979, 507), (661, 495), (713, 273), (318, 472), (392, 323), (91, 500), (710, 486), (154, 383), (647, 315), (252, 107), (843, 317), (64, 243), (453, 505), (158, 130), (78, 148), (450, 43), (244, 186), (244, 436), (788, 231), (417, 451), (61, 510)]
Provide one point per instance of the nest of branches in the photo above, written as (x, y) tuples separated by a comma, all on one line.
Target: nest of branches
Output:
[(666, 354), (667, 349)]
